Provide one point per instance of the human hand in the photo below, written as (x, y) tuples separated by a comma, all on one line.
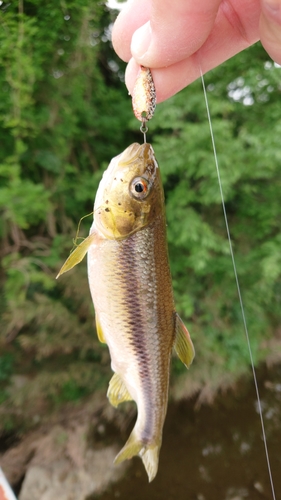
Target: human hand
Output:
[(177, 38)]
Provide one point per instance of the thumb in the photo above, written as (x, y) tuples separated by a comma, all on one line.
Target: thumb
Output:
[(270, 28), (176, 30)]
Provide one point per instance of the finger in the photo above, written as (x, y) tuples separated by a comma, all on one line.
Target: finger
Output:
[(227, 38), (174, 31), (270, 28), (134, 14), (166, 30)]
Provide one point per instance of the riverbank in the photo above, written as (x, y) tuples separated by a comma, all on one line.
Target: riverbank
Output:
[(208, 453), (70, 457)]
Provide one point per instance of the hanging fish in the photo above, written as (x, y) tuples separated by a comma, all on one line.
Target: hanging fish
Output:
[(131, 288)]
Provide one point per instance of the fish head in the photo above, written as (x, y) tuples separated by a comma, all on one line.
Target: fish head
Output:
[(130, 195)]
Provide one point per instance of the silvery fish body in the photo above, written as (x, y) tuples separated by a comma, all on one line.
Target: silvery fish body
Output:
[(131, 288)]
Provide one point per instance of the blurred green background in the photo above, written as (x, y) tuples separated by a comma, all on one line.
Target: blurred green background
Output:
[(64, 113)]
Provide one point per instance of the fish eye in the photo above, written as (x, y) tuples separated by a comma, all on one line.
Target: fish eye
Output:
[(139, 188)]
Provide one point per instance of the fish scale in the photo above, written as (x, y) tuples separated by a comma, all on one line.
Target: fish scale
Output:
[(140, 316)]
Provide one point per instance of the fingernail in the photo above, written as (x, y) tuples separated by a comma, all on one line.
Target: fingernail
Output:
[(141, 40), (272, 6)]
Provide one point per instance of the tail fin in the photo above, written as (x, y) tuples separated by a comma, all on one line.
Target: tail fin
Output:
[(148, 453), (150, 459), (132, 447)]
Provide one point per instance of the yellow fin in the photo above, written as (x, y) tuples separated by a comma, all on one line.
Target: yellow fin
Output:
[(132, 447), (100, 333), (77, 255), (148, 453), (183, 343), (117, 391), (150, 458)]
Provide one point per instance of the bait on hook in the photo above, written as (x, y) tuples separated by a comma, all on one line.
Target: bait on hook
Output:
[(144, 98)]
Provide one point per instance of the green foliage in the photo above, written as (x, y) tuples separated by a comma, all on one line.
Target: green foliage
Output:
[(64, 113), (6, 370), (6, 366)]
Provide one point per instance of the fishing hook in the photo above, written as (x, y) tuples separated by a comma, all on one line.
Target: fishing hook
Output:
[(144, 128)]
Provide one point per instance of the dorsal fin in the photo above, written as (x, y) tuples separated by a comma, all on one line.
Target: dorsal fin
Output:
[(183, 343)]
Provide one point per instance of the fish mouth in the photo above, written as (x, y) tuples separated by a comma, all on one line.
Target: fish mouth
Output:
[(136, 151)]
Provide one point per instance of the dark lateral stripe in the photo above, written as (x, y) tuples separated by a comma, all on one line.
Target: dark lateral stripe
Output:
[(129, 265)]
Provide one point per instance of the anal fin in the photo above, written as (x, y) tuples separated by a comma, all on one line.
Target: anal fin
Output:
[(117, 391), (183, 343)]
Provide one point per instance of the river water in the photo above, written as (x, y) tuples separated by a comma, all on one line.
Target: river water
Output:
[(216, 452)]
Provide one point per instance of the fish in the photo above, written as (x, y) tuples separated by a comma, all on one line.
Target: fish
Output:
[(131, 288)]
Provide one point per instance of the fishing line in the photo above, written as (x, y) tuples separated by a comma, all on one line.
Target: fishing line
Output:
[(238, 288)]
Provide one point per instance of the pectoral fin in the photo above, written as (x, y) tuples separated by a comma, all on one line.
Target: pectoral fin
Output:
[(100, 333), (117, 391), (183, 343), (78, 254)]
